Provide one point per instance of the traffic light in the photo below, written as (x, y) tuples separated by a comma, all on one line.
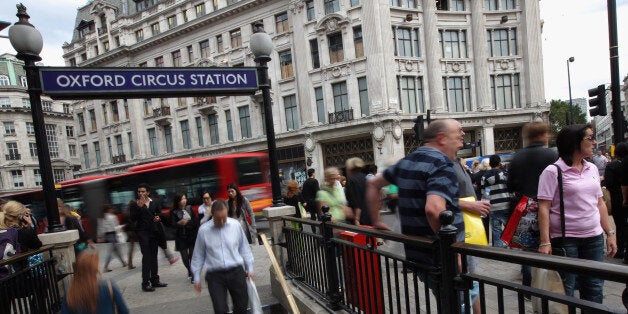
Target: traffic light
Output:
[(598, 103), (419, 128)]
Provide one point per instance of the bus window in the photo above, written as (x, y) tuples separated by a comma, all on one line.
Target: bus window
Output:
[(249, 171)]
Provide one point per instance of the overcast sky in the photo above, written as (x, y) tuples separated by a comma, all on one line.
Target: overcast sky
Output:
[(577, 28)]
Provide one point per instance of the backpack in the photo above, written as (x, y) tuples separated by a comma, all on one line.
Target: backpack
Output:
[(9, 246)]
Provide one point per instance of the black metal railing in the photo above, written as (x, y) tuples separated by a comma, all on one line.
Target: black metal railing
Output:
[(346, 268), (341, 116), (30, 288), (161, 111), (118, 159)]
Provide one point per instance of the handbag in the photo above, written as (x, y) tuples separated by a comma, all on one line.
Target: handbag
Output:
[(474, 232), (254, 302), (522, 229)]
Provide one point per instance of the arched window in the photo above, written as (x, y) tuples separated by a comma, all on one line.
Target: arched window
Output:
[(24, 81), (4, 80)]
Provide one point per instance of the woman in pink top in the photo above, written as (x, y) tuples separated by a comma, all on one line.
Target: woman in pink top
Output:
[(586, 216)]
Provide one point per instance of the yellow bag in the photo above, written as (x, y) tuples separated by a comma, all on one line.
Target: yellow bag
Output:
[(474, 232)]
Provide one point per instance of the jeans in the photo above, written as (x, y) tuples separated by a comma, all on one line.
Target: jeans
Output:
[(591, 248), (499, 219)]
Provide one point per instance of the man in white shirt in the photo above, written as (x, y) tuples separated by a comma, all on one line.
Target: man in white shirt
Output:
[(223, 250), (600, 162)]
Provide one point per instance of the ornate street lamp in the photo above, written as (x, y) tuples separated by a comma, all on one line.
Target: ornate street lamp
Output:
[(27, 41), (570, 60), (262, 46)]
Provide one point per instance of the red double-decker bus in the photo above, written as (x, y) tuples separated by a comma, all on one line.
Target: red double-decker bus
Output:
[(192, 176)]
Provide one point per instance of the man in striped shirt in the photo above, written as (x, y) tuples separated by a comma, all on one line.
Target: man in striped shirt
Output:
[(495, 181)]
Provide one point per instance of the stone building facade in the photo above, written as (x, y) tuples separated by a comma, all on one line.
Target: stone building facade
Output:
[(19, 166), (348, 77)]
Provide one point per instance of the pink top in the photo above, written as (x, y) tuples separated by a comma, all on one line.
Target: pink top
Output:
[(581, 191)]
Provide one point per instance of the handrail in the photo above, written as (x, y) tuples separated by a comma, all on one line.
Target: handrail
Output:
[(25, 255), (282, 281)]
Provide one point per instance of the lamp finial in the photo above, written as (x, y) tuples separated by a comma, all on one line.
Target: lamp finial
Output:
[(22, 15)]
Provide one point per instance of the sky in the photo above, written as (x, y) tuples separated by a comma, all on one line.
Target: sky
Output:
[(571, 28)]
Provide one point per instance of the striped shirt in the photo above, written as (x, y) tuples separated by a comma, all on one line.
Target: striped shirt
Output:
[(496, 180), (425, 171)]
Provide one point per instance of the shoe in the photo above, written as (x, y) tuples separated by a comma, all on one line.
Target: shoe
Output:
[(107, 269), (124, 264), (147, 287), (159, 284), (173, 260), (131, 266)]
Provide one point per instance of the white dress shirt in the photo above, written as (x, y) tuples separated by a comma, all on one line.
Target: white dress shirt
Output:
[(221, 248)]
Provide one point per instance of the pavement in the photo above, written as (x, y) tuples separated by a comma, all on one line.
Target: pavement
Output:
[(181, 297)]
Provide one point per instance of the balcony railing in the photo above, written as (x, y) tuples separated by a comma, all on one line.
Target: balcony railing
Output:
[(13, 156), (162, 115), (118, 159), (341, 116)]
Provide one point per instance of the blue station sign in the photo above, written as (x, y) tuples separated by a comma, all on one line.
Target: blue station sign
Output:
[(94, 83)]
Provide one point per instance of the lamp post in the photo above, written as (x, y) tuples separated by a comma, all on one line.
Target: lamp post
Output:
[(27, 41), (571, 59), (262, 46)]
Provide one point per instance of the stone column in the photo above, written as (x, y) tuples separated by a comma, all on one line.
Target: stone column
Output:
[(488, 139), (432, 57), (480, 57), (63, 250), (532, 54), (275, 224), (300, 57)]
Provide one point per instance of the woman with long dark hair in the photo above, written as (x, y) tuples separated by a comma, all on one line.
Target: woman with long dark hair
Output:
[(240, 209), (87, 293), (586, 216), (186, 224)]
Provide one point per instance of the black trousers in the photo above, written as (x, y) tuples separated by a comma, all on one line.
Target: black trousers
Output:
[(232, 280), (148, 247)]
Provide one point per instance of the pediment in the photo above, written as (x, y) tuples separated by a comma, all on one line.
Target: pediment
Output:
[(205, 62), (331, 23)]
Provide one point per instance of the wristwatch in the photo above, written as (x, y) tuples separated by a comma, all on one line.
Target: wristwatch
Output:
[(610, 232)]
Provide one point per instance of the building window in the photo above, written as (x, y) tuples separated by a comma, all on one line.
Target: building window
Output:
[(30, 128), (309, 7), (26, 103), (199, 131), (69, 131), (336, 50), (14, 153), (152, 137), (81, 123), (185, 134), (72, 149), (199, 9), (457, 93), (168, 137), (229, 125), (507, 140), (46, 105), (32, 147), (219, 45), (236, 38), (159, 62), (285, 61), (354, 3), (154, 28), (364, 96), (97, 153), (281, 23), (72, 62), (59, 175), (404, 3), (505, 91), (18, 179), (141, 5), (292, 112), (9, 128), (51, 136), (131, 149), (126, 109), (143, 64), (37, 176), (92, 119), (490, 5), (442, 5), (4, 80), (494, 5), (357, 41), (176, 58), (139, 35), (186, 18), (320, 104), (411, 94), (105, 116), (148, 106), (190, 50), (114, 111), (453, 43), (331, 6), (316, 63), (24, 81), (117, 41), (85, 155), (407, 42), (172, 21), (457, 5), (245, 122), (66, 108), (502, 42), (5, 102), (119, 145), (84, 56), (507, 4), (341, 99), (213, 128), (204, 45)]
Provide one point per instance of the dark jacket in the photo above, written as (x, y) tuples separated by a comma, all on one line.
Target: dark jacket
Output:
[(187, 232), (309, 190), (526, 167), (143, 217), (294, 201), (355, 191)]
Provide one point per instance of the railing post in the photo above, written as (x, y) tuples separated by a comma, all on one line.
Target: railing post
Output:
[(333, 287), (450, 302)]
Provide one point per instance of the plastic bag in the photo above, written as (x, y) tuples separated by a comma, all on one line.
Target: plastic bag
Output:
[(548, 280), (254, 302), (474, 232), (522, 229)]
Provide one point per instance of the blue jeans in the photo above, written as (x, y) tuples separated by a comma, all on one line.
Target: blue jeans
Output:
[(498, 221), (591, 248)]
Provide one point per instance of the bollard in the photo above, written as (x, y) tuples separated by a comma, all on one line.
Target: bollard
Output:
[(333, 288), (450, 303)]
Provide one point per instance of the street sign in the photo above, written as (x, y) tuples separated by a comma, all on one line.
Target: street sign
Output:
[(95, 83)]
